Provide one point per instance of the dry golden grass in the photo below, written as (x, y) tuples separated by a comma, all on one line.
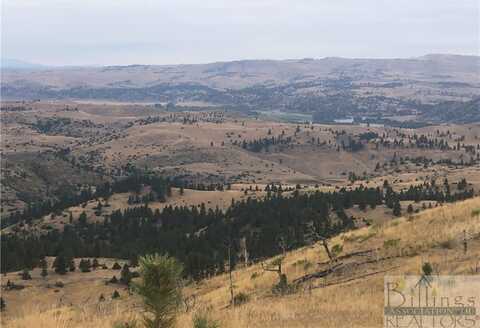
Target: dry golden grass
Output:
[(433, 235)]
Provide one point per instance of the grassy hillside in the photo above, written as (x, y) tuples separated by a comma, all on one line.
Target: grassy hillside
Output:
[(351, 296)]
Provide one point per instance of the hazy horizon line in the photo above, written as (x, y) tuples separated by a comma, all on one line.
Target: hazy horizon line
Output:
[(41, 65)]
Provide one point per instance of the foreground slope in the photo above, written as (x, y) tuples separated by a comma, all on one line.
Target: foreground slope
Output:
[(351, 296)]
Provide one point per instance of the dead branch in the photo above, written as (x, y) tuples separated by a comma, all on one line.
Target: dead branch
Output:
[(319, 274), (349, 255), (338, 282)]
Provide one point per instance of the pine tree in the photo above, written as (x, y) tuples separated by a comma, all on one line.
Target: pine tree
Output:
[(160, 289), (84, 265), (60, 265), (410, 209), (26, 275), (95, 264), (397, 209), (82, 219), (43, 266), (71, 265), (125, 275), (115, 295)]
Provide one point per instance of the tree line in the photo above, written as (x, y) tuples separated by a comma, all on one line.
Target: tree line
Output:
[(199, 237)]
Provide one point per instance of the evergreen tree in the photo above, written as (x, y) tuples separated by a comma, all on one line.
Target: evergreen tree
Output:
[(84, 265), (60, 265), (95, 264), (397, 209), (82, 219), (71, 265), (160, 289), (410, 209), (44, 266), (26, 275), (125, 275)]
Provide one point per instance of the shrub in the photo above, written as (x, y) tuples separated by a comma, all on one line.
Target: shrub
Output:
[(26, 275), (59, 284), (337, 249), (427, 268), (116, 266), (115, 294), (240, 298), (447, 244), (391, 243), (159, 288), (364, 238), (305, 263), (13, 286), (201, 320), (127, 324), (282, 286)]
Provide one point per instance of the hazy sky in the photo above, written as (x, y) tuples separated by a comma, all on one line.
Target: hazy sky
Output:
[(79, 32)]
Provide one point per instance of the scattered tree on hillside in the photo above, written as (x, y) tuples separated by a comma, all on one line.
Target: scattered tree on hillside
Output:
[(84, 265), (44, 266), (116, 295), (410, 209), (60, 265), (95, 264), (397, 208), (82, 219), (71, 265), (26, 275), (125, 275)]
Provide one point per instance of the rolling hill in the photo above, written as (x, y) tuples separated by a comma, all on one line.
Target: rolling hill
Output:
[(351, 295)]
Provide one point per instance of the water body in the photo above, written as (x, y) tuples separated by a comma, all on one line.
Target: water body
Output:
[(348, 120)]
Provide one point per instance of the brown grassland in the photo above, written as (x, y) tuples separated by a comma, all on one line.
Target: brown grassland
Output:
[(349, 297)]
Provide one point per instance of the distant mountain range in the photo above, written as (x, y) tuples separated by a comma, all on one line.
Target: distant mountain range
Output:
[(328, 88), (9, 63)]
